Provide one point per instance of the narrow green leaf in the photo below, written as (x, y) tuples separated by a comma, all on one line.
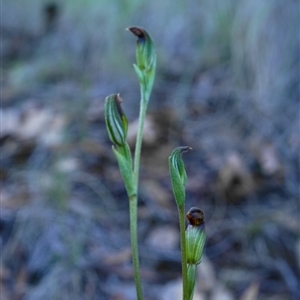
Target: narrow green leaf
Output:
[(125, 166)]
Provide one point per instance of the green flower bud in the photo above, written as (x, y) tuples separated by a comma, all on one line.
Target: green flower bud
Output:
[(117, 127), (145, 53), (146, 60), (116, 121), (195, 236), (178, 174)]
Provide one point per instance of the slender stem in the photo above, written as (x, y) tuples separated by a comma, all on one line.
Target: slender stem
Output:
[(183, 252), (134, 245), (139, 138), (134, 199)]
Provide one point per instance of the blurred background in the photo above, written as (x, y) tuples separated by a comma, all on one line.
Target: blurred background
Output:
[(227, 84)]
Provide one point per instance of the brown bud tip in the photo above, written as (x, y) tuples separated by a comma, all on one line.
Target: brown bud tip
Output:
[(184, 149), (139, 32), (119, 100), (195, 216)]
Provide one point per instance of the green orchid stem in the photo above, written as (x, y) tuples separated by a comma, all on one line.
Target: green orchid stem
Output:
[(139, 139), (117, 127), (134, 245), (183, 252), (134, 200)]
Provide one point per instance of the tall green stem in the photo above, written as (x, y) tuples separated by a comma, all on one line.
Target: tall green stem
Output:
[(139, 139), (183, 252), (117, 126), (134, 200), (134, 245)]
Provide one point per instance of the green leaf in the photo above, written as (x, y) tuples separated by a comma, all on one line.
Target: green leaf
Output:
[(139, 74), (116, 121), (123, 156), (150, 78), (178, 174)]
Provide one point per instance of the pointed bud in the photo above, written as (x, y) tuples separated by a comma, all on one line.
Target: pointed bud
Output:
[(146, 60), (178, 174), (145, 53), (116, 121), (195, 236)]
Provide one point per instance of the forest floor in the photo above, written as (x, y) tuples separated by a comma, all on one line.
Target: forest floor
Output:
[(64, 222)]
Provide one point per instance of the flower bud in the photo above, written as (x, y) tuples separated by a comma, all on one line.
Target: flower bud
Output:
[(178, 174), (195, 216), (145, 53), (146, 61), (116, 121), (195, 236)]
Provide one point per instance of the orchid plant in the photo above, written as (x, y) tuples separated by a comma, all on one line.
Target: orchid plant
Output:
[(192, 238)]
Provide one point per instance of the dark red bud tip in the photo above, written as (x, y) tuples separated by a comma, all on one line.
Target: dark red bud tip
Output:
[(184, 149), (195, 216), (119, 100), (139, 32)]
